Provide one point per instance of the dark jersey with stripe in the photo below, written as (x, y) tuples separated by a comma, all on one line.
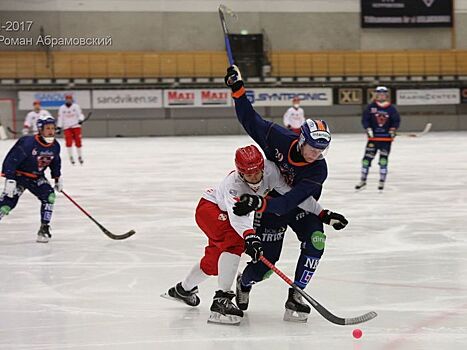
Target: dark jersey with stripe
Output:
[(31, 156), (281, 146)]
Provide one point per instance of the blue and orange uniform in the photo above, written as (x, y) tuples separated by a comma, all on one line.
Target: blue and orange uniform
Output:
[(306, 179), (26, 163), (383, 120)]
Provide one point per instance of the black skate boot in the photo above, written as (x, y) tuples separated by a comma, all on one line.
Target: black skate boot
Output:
[(361, 185), (242, 297), (177, 293), (81, 160), (43, 235), (295, 309), (223, 310), (381, 185), (72, 161)]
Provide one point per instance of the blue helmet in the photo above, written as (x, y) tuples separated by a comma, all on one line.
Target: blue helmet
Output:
[(315, 133), (44, 120)]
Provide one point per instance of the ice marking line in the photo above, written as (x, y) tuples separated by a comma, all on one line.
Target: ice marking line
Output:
[(394, 344), (399, 285)]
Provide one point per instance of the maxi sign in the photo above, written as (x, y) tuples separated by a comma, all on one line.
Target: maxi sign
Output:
[(284, 97)]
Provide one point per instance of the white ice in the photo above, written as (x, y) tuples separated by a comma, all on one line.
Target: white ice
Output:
[(403, 255)]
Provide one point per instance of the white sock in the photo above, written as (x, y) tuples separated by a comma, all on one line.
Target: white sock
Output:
[(194, 278), (227, 267), (79, 152), (70, 152)]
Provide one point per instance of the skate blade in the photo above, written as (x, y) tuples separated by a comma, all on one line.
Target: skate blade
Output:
[(167, 296), (218, 318), (294, 316)]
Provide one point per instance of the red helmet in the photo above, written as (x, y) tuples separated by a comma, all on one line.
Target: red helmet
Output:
[(68, 96), (36, 102), (249, 160)]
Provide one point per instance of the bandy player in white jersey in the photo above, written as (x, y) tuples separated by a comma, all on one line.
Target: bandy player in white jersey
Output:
[(230, 235), (30, 122), (70, 119), (294, 117)]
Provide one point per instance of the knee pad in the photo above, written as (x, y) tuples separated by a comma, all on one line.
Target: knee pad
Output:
[(383, 162), (4, 210), (51, 198), (315, 247)]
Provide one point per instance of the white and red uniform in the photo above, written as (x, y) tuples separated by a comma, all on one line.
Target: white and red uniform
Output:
[(30, 122), (68, 120), (294, 118), (225, 230)]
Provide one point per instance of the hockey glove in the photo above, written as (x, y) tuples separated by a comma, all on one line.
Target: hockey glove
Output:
[(247, 204), (369, 132), (233, 78), (58, 131), (392, 132), (10, 188), (59, 184), (336, 220), (253, 247)]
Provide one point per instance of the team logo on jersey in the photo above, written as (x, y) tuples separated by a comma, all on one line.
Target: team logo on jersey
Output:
[(381, 118), (34, 151), (222, 217), (278, 155)]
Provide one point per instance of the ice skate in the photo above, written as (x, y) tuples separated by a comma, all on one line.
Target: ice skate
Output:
[(381, 185), (72, 161), (81, 161), (223, 310), (177, 293), (295, 309), (43, 235), (242, 296), (361, 185)]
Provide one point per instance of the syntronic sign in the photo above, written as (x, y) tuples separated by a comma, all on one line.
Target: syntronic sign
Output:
[(284, 97)]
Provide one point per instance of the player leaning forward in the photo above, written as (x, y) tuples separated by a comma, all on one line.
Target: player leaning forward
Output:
[(24, 168), (301, 161), (230, 235)]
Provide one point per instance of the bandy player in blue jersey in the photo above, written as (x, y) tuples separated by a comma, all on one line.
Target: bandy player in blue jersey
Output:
[(24, 167), (380, 120), (300, 159)]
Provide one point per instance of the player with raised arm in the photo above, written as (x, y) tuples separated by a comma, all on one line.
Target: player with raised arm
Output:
[(381, 121), (230, 235), (24, 168), (30, 122), (294, 117), (301, 162), (70, 118)]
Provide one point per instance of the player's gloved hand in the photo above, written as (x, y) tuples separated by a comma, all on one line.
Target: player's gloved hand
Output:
[(336, 220), (253, 247), (369, 132), (80, 122), (25, 131), (10, 188), (233, 78), (392, 132), (247, 204), (58, 131), (59, 184)]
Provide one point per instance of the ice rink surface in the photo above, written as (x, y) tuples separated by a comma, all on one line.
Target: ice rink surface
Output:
[(403, 255)]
